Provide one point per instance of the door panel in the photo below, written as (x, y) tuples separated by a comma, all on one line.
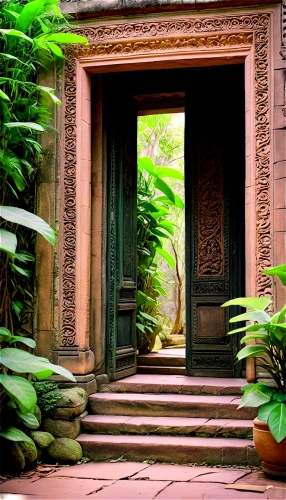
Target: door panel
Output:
[(214, 181), (121, 160)]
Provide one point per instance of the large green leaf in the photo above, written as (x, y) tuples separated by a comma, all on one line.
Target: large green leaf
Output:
[(251, 351), (265, 409), (29, 419), (279, 271), (28, 14), (24, 340), (65, 38), (168, 226), (27, 219), (146, 163), (277, 422), (164, 188), (261, 336), (258, 316), (166, 256), (8, 242), (20, 390), (29, 125), (259, 395), (60, 370), (167, 172), (23, 362), (15, 33), (13, 434), (250, 302)]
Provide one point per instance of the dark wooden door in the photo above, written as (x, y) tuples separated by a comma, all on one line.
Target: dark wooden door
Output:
[(214, 192), (120, 132)]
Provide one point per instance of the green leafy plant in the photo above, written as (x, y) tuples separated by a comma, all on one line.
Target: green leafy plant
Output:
[(265, 341), (30, 34), (18, 395), (154, 197)]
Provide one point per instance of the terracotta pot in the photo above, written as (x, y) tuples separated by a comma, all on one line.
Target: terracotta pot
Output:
[(272, 454)]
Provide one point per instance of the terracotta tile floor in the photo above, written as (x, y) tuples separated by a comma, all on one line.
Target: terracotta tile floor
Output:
[(136, 480)]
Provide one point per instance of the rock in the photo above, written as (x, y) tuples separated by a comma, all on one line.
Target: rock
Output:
[(42, 439), (63, 428), (29, 451), (38, 414), (102, 379), (72, 403), (16, 458), (64, 450)]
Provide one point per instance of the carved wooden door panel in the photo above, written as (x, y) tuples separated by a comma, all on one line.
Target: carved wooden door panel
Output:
[(121, 169), (214, 191)]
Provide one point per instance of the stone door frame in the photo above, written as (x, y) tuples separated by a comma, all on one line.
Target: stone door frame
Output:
[(166, 42)]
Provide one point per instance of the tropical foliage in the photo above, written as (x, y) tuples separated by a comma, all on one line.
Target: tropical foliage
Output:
[(161, 139), (30, 32), (265, 340), (154, 198)]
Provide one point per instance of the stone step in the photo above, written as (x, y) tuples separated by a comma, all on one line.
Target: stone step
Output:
[(176, 384), (163, 370), (172, 449), (179, 426), (169, 405), (156, 359)]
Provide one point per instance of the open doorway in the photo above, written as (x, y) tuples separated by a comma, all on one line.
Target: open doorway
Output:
[(160, 316), (213, 101)]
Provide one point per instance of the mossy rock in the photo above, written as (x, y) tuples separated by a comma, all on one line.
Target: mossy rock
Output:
[(30, 453), (72, 403), (62, 428), (64, 450), (42, 439)]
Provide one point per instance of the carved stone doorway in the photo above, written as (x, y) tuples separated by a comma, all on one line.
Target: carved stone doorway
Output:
[(215, 200), (81, 342)]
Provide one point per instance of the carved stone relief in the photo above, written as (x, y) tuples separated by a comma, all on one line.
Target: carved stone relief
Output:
[(159, 37)]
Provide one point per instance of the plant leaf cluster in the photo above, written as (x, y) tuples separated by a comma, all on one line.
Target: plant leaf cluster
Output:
[(30, 34), (154, 198), (18, 395), (265, 340)]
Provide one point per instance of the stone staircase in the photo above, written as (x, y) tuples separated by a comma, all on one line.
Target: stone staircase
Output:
[(171, 418), (164, 362)]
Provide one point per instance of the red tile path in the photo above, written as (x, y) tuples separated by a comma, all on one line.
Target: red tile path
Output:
[(135, 480)]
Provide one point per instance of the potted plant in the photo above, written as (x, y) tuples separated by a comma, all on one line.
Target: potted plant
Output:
[(266, 341)]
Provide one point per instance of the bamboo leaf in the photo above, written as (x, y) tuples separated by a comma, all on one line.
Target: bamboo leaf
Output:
[(4, 96)]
